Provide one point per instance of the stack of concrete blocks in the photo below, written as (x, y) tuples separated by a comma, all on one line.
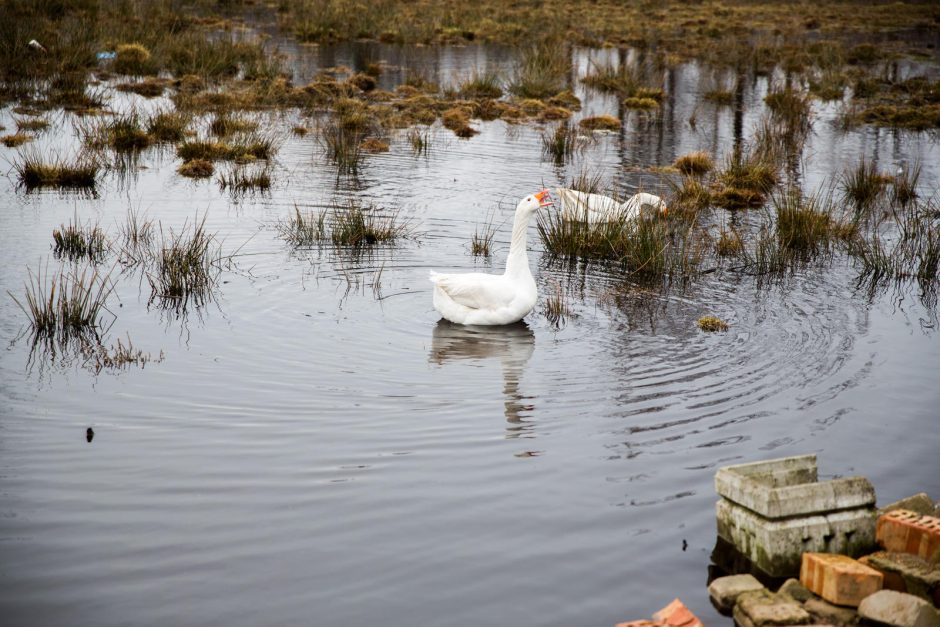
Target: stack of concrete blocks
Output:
[(774, 511)]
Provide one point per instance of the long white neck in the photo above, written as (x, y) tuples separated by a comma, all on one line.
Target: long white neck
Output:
[(518, 262)]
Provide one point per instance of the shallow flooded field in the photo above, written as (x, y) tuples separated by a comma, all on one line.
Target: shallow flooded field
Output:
[(312, 445)]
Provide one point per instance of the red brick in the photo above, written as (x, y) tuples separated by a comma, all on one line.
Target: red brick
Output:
[(904, 531), (676, 614), (839, 579)]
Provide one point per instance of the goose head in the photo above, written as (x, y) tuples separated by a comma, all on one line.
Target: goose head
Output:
[(651, 205), (533, 202)]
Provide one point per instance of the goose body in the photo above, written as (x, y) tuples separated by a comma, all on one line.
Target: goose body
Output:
[(492, 299), (594, 208)]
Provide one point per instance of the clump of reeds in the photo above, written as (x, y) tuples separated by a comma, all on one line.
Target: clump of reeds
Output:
[(482, 84), (482, 241), (729, 243), (223, 125), (419, 139), (36, 171), (239, 180), (556, 307), (354, 226), (374, 145), (187, 265), (457, 119), (804, 224), (904, 186), (696, 163), (243, 148), (542, 71), (168, 126), (196, 169), (131, 59), (34, 124), (343, 147), (637, 102), (15, 140), (745, 181), (148, 88), (304, 228), (864, 185), (689, 197), (74, 241), (648, 248), (561, 143), (126, 133), (624, 79), (69, 303), (710, 324), (604, 122), (136, 238)]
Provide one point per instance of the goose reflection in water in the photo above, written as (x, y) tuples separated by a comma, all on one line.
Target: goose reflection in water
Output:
[(512, 344)]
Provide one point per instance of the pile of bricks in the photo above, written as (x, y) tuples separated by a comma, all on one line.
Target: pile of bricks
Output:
[(898, 586)]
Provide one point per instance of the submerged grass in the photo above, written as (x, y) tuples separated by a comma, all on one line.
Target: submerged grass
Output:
[(562, 143), (239, 180), (349, 226), (864, 185)]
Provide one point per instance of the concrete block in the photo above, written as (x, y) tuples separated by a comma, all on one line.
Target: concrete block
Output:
[(777, 546), (899, 610), (774, 511), (825, 612), (907, 573), (788, 487), (839, 579), (919, 503), (724, 591), (796, 591), (904, 531), (762, 608)]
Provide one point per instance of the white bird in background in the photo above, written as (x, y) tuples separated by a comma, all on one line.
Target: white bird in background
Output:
[(35, 45), (490, 299), (594, 208)]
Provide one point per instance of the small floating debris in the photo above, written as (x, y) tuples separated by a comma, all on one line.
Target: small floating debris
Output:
[(710, 324), (676, 614)]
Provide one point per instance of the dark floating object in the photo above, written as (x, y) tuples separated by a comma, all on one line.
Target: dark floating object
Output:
[(89, 434), (685, 545)]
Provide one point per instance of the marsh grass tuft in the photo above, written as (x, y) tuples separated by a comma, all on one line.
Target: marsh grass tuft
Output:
[(15, 140), (136, 237), (69, 303), (482, 84), (482, 241), (187, 265), (696, 163), (304, 228), (603, 122), (561, 143), (651, 249), (729, 243), (355, 227), (556, 308), (74, 241), (745, 181), (542, 71), (240, 181), (864, 185), (904, 188), (168, 126), (196, 169), (420, 140), (34, 171)]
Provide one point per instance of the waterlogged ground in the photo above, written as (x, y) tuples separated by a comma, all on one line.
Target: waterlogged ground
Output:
[(317, 448)]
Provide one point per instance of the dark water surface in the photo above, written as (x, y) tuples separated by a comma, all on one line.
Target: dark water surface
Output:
[(316, 449)]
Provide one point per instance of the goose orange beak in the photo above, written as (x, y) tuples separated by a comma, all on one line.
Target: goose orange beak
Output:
[(544, 199)]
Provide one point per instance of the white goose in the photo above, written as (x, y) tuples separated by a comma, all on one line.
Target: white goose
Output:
[(594, 208), (489, 299)]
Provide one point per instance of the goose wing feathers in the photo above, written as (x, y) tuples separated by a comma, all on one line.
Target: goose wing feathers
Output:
[(476, 290)]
